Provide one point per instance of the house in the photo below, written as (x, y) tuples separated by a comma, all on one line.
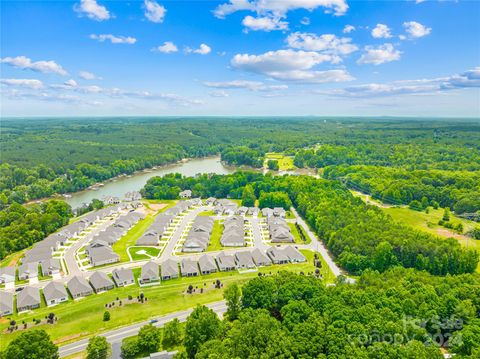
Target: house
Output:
[(7, 275), (207, 264), (28, 299), (280, 234), (133, 196), (279, 212), (79, 287), (244, 260), (188, 268), (111, 200), (253, 211), (294, 254), (185, 194), (234, 232), (50, 267), (267, 212), (55, 293), (101, 282), (149, 238), (210, 201), (102, 255), (277, 255), (242, 211), (169, 269), (198, 237), (226, 262), (6, 303), (150, 273), (123, 277), (260, 258), (37, 254), (225, 206), (28, 271)]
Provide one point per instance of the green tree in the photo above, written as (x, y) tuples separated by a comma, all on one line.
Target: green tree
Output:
[(248, 196), (446, 214), (130, 349), (98, 348), (273, 165), (106, 316), (32, 344), (232, 295), (148, 338), (172, 334), (202, 325)]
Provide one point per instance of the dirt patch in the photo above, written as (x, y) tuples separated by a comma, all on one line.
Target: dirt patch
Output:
[(15, 259), (446, 233), (157, 206), (68, 338)]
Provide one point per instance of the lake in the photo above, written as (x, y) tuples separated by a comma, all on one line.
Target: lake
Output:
[(121, 185)]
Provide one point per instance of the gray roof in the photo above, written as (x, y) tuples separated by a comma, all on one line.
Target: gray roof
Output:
[(281, 234), (294, 254), (29, 296), (6, 302), (150, 270), (50, 264), (233, 238), (225, 261), (244, 259), (207, 263), (100, 280), (169, 268), (100, 254), (260, 258), (123, 275), (8, 271), (149, 238), (31, 268), (54, 290), (188, 266), (277, 254), (78, 285)]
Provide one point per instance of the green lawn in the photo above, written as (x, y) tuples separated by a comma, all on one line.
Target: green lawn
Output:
[(128, 240), (207, 213), (83, 318), (285, 163), (296, 235), (152, 251), (217, 231)]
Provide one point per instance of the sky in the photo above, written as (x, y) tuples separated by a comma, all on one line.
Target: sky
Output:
[(240, 58)]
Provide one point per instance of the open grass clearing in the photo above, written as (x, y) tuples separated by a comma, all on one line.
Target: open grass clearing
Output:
[(144, 253), (215, 237), (296, 235), (285, 163)]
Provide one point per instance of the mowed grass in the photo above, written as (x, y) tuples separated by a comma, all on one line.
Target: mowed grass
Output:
[(428, 222), (150, 252), (129, 239), (285, 163), (296, 235), (217, 231), (83, 318)]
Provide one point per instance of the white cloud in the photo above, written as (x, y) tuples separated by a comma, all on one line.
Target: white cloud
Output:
[(419, 1), (154, 11), (29, 83), (348, 29), (243, 84), (92, 10), (202, 50), (219, 93), (71, 83), (379, 55), (279, 8), (327, 43), (264, 23), (290, 65), (381, 31), (114, 39), (305, 21), (23, 62), (167, 48), (88, 75), (467, 79), (416, 30)]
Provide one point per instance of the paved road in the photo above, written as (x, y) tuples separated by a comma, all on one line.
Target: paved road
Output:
[(316, 245), (116, 336)]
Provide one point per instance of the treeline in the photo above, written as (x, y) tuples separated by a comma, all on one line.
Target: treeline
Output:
[(458, 190), (398, 314), (22, 226), (360, 236), (414, 155), (242, 156)]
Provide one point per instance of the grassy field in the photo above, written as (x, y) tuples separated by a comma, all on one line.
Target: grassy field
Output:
[(296, 235), (151, 251), (428, 222), (285, 163), (207, 213), (128, 240), (217, 231), (83, 318)]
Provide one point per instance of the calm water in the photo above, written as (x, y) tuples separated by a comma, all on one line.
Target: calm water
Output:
[(122, 185)]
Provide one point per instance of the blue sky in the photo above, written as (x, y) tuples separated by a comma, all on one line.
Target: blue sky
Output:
[(240, 57)]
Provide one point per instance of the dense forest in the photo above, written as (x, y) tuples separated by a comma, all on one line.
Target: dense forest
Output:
[(360, 236), (398, 314), (458, 190)]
